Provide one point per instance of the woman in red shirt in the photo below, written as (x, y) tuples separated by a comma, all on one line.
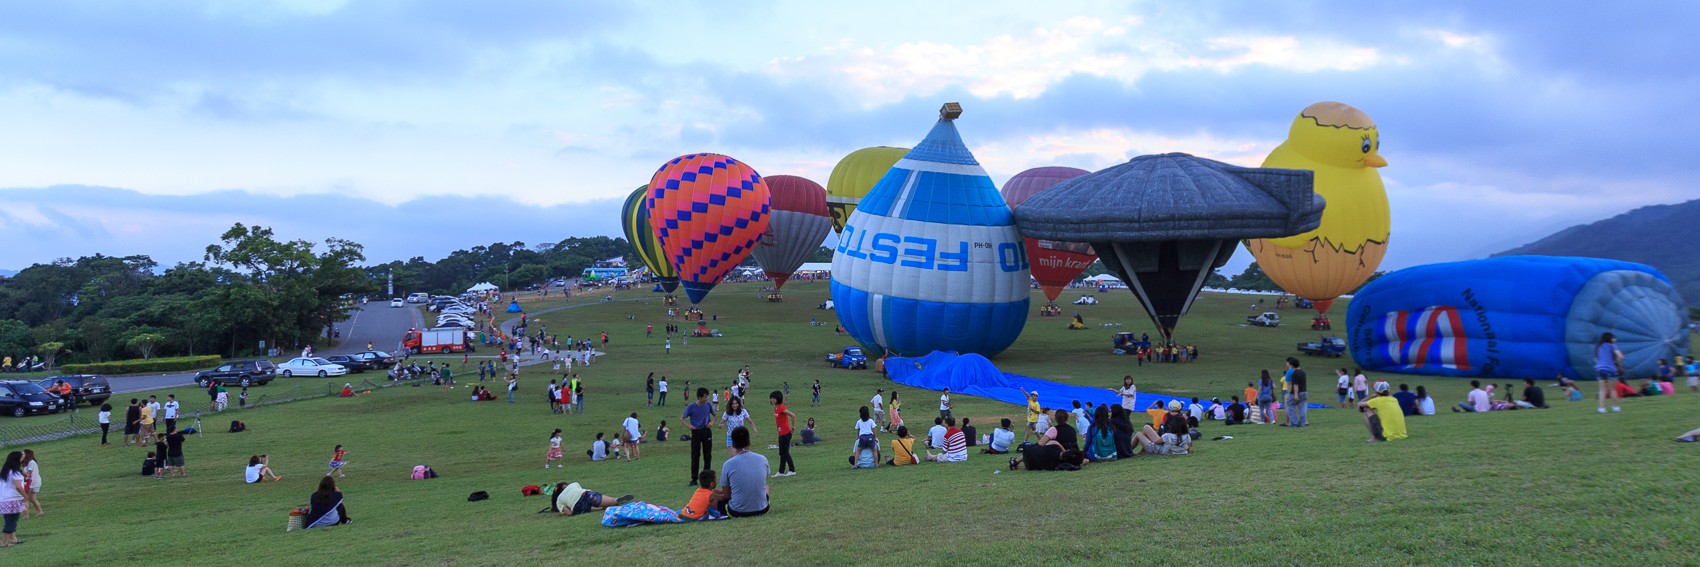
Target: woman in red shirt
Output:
[(782, 419)]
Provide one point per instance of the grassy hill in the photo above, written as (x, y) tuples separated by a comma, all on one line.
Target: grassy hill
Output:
[(1564, 485), (1656, 236)]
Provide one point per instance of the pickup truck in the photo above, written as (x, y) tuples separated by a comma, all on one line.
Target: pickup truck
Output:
[(1267, 319), (1328, 346), (850, 358)]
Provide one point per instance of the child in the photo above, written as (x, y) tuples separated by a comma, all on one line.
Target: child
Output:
[(242, 399), (159, 459), (337, 462), (554, 454), (149, 466), (705, 502)]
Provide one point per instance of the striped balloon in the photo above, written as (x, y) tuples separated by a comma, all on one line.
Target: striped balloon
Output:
[(634, 218), (930, 259), (799, 225), (708, 210)]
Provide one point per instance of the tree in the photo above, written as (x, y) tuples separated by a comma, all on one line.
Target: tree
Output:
[(50, 352), (15, 338), (145, 343)]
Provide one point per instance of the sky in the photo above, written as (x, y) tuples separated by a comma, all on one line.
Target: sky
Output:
[(419, 128)]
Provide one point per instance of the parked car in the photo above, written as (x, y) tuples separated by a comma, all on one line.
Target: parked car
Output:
[(1267, 319), (91, 388), (849, 358), (19, 398), (352, 363), (242, 373), (311, 366), (377, 359), (1328, 346), (397, 302)]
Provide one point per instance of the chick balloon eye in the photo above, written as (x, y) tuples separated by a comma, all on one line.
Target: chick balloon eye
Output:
[(1366, 144)]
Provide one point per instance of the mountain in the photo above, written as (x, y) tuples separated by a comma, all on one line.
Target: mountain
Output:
[(1657, 236), (8, 273)]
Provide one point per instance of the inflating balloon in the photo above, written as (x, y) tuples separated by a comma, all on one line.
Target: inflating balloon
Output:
[(1163, 222), (1516, 317), (930, 259), (634, 218), (798, 226), (854, 176), (708, 210), (1343, 147), (1055, 264)]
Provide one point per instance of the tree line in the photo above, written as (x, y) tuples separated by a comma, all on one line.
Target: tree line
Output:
[(250, 289)]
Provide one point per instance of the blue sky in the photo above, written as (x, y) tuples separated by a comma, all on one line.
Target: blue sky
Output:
[(420, 127)]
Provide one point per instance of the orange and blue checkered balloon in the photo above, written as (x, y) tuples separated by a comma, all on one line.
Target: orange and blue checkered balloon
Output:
[(709, 211)]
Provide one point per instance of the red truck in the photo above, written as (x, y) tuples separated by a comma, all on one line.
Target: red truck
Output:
[(438, 340)]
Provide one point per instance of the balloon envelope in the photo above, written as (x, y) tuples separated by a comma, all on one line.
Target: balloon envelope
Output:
[(930, 260), (1516, 317), (854, 176), (1343, 147), (798, 226), (708, 210), (1055, 264), (634, 218)]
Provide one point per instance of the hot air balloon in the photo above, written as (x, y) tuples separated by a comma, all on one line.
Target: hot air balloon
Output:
[(1342, 146), (1055, 263), (1163, 222), (1516, 317), (930, 259), (854, 176), (634, 218), (798, 225), (708, 210)]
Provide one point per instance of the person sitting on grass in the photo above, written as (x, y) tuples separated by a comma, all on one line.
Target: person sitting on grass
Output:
[(1407, 400), (955, 444), (1100, 436), (903, 449), (705, 501), (150, 465), (1047, 457), (662, 431), (935, 435), (1121, 427), (598, 449), (1176, 422), (1001, 439), (1162, 444), (1063, 433), (324, 507), (865, 440), (1236, 412), (347, 390), (743, 478), (809, 436), (1689, 437), (258, 470), (1533, 396), (572, 499), (1383, 416), (1478, 400)]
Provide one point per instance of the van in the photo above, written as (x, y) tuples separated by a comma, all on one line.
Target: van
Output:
[(420, 297)]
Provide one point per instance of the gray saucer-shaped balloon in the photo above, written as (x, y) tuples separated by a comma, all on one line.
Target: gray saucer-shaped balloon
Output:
[(1163, 222)]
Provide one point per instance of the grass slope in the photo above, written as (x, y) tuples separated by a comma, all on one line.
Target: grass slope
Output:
[(1564, 485)]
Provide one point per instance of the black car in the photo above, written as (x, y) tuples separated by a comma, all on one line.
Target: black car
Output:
[(242, 373), (91, 388), (378, 359), (20, 398), (352, 362)]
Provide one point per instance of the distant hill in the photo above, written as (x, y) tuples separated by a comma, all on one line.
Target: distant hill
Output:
[(8, 273), (1659, 236)]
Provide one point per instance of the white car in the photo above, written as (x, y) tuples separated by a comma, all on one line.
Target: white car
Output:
[(311, 367), (397, 302)]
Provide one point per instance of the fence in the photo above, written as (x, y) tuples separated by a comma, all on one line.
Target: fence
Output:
[(85, 420)]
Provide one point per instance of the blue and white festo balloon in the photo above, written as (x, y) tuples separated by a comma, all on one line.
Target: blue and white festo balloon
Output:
[(931, 260)]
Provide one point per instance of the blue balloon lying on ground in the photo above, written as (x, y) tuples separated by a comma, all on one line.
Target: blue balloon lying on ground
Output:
[(1516, 317)]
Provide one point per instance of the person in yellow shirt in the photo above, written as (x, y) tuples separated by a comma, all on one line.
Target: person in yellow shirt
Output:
[(903, 449), (1382, 415), (1033, 411), (147, 421)]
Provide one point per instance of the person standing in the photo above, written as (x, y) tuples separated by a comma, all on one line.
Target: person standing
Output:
[(649, 390), (699, 417), (1608, 363), (133, 424), (661, 388), (743, 478), (1298, 396), (783, 419), (105, 420), (944, 404), (814, 400), (171, 406), (634, 433), (1360, 385), (12, 491), (667, 346), (1129, 394), (878, 401), (32, 483), (174, 452), (513, 384)]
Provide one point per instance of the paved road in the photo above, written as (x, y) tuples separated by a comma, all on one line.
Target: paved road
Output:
[(376, 322)]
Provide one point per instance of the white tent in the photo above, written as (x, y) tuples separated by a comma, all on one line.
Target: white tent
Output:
[(482, 287), (1103, 278)]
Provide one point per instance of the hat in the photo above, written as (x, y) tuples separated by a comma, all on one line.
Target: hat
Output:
[(1174, 405), (1381, 386), (1033, 394)]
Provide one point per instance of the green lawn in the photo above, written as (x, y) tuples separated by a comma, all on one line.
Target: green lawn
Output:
[(1564, 485)]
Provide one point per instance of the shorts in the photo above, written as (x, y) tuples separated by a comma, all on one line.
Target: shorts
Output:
[(337, 464), (1694, 381), (590, 499), (174, 460), (1340, 391), (866, 442), (136, 428)]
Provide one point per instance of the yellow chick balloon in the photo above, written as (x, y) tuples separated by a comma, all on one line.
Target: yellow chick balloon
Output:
[(1341, 144)]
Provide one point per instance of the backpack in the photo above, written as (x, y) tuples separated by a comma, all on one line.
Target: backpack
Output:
[(237, 426), (423, 472), (477, 496)]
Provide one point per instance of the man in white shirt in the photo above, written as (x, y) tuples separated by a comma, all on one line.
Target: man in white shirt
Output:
[(171, 406), (944, 404), (1001, 439), (878, 401), (1477, 401), (935, 436), (634, 432), (662, 388)]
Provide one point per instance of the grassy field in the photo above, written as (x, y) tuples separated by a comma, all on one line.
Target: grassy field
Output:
[(1564, 485)]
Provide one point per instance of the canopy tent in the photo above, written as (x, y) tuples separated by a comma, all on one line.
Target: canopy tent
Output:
[(481, 287), (1102, 278)]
